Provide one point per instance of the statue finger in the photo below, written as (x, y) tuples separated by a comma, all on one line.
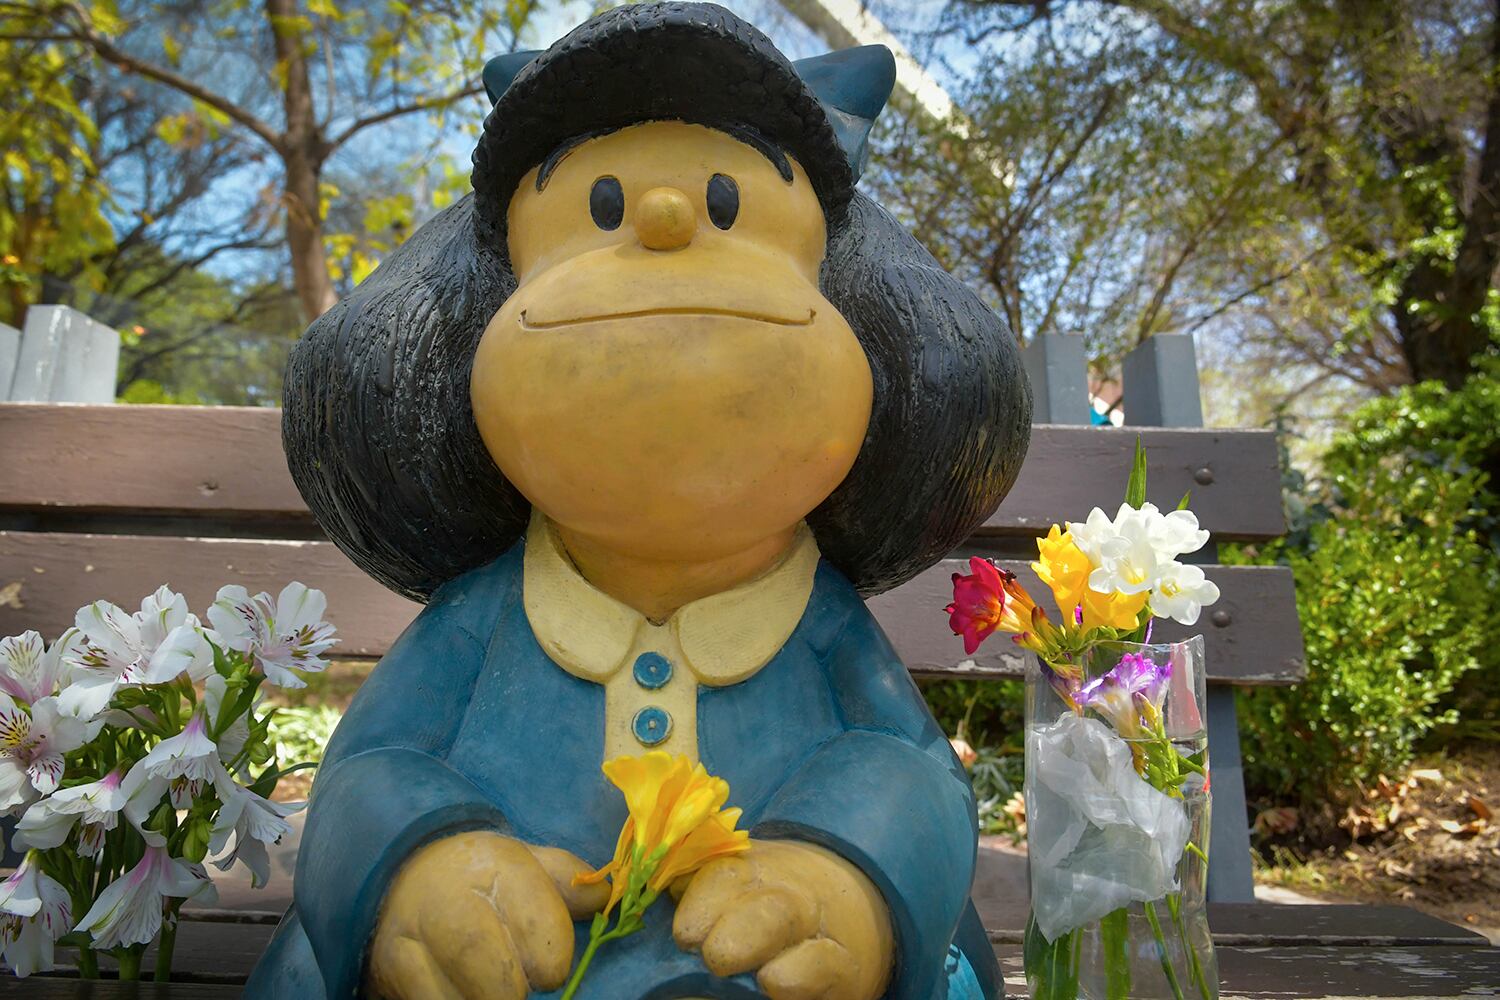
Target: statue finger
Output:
[(706, 898), (534, 913), (404, 970), (582, 901), (474, 950), (761, 924), (819, 969)]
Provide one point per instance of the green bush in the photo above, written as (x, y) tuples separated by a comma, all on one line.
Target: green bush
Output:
[(990, 713), (1397, 574), (300, 733)]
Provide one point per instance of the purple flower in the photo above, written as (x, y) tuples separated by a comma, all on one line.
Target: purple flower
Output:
[(1063, 678), (1129, 693)]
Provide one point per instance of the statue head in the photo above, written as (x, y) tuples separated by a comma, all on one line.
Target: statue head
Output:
[(666, 319)]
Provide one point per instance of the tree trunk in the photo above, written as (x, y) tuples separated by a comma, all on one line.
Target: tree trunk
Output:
[(1443, 335), (302, 152), (304, 238)]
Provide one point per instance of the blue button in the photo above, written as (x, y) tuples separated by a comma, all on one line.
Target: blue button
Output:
[(652, 725), (652, 670)]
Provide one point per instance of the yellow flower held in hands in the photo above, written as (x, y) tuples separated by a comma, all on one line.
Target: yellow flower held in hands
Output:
[(677, 824), (677, 821)]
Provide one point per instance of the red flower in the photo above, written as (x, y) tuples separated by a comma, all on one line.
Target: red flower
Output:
[(987, 601)]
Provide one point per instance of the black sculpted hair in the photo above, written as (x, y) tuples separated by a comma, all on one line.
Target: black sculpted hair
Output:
[(381, 439)]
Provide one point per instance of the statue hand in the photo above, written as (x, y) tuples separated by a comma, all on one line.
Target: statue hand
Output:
[(479, 916), (812, 924)]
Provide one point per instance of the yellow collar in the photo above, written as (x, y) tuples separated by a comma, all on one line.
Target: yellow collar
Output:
[(725, 637)]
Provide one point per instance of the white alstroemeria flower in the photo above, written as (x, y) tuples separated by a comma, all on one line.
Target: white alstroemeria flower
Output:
[(278, 636), (157, 644), (255, 823), (34, 743), (184, 762), (129, 909), (96, 806), (29, 669), (16, 791), (1182, 592), (36, 912), (1176, 533)]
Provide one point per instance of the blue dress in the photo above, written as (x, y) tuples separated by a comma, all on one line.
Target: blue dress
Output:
[(466, 724)]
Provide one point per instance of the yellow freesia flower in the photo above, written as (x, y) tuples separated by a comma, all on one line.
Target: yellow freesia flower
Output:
[(1064, 568), (677, 824), (714, 838)]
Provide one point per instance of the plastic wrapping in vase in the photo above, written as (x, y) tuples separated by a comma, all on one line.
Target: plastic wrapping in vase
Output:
[(1117, 810)]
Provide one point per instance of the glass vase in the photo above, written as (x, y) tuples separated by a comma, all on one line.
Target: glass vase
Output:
[(1117, 808)]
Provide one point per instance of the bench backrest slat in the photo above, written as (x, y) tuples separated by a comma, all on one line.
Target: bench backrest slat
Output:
[(57, 571), (110, 501), (223, 463)]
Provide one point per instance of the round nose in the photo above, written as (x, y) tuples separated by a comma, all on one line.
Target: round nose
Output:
[(664, 219)]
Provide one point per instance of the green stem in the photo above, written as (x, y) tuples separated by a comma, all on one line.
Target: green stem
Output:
[(130, 962), (1161, 951), (1198, 851), (1114, 933), (88, 963), (1051, 966), (1174, 904), (625, 925), (595, 940), (164, 947)]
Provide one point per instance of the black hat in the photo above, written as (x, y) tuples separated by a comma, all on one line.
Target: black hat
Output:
[(691, 62)]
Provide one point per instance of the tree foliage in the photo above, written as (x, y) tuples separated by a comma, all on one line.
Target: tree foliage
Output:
[(1396, 556), (304, 85), (1318, 180), (53, 212)]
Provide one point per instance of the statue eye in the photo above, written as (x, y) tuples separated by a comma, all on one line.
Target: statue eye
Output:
[(723, 200), (607, 203)]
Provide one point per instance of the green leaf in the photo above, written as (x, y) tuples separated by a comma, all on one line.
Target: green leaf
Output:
[(1135, 490), (1186, 499)]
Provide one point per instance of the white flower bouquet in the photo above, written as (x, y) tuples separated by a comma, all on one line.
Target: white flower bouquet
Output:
[(134, 748)]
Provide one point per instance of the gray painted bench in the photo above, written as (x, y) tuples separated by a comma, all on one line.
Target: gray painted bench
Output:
[(110, 501)]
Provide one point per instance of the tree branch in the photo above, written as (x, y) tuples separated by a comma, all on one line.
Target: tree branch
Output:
[(83, 30), (396, 111)]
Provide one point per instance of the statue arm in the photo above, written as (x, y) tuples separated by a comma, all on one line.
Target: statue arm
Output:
[(385, 789), (889, 796)]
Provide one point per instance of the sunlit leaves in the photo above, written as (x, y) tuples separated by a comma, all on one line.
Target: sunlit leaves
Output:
[(53, 212)]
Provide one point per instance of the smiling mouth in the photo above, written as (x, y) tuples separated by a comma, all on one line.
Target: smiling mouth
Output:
[(807, 320)]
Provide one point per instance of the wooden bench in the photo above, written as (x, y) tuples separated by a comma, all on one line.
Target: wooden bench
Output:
[(111, 501), (1265, 950)]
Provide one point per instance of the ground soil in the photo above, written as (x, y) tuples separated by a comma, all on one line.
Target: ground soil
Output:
[(1428, 840)]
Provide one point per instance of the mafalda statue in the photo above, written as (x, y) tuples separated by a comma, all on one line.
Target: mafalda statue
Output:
[(641, 421)]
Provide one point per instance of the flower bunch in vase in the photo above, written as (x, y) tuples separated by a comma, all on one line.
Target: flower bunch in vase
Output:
[(1117, 777), (132, 749)]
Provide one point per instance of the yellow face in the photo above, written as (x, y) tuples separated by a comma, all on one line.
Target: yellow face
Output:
[(667, 379)]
